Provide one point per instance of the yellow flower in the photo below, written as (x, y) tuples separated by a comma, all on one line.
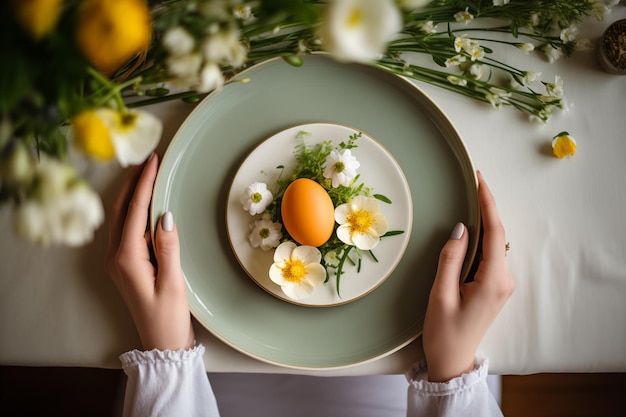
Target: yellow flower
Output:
[(361, 223), (563, 144), (110, 32), (37, 17), (131, 136), (92, 136)]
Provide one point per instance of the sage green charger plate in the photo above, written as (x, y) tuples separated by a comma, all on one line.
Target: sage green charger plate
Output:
[(200, 164)]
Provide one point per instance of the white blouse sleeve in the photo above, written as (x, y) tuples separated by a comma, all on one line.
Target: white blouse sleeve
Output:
[(167, 383), (467, 395)]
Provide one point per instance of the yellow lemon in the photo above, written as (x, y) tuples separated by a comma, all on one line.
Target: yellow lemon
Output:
[(37, 17), (92, 135), (110, 32)]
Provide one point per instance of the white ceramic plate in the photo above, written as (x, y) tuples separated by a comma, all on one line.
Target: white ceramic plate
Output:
[(378, 170)]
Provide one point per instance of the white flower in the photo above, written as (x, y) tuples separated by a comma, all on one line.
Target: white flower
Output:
[(555, 89), (500, 2), (495, 97), (361, 223), (243, 12), (211, 78), (134, 134), (332, 258), (224, 47), (177, 41), (464, 16), (184, 66), (552, 53), (477, 53), (265, 233), (569, 34), (455, 60), (65, 211), (477, 71), (525, 47), (428, 27), (358, 30), (297, 269), (256, 197), (531, 76), (460, 41), (453, 79), (341, 167)]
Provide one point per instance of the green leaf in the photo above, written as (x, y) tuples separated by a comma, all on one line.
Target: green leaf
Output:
[(157, 92), (393, 233), (15, 78), (293, 60), (382, 198)]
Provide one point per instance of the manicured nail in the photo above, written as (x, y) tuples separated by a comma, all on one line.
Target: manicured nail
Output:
[(167, 221), (457, 232)]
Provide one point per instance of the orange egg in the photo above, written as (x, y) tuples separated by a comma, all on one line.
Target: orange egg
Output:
[(308, 213)]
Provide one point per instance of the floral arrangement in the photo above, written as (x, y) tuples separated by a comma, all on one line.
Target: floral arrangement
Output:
[(305, 256), (75, 72)]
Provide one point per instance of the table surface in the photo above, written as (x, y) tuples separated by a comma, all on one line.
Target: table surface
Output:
[(564, 219)]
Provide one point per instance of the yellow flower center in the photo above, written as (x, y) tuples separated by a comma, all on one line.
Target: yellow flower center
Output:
[(339, 166), (264, 233), (294, 271), (92, 136), (360, 221), (125, 122), (354, 18), (256, 197)]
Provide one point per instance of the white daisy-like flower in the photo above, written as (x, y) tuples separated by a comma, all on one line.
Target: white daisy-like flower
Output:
[(134, 134), (455, 60), (224, 47), (297, 269), (185, 66), (464, 16), (341, 167), (583, 44), (500, 2), (569, 34), (477, 53), (359, 30), (256, 198), (460, 41), (264, 233), (361, 223), (332, 258)]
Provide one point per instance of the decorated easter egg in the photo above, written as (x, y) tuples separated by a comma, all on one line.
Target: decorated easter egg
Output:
[(307, 212)]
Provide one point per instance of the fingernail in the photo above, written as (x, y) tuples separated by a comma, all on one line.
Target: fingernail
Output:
[(167, 221), (457, 232)]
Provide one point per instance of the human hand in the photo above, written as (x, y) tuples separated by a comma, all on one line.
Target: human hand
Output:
[(459, 314), (155, 297)]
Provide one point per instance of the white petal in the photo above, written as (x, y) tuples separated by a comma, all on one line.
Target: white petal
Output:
[(344, 234), (134, 144), (283, 251), (307, 254), (341, 213), (315, 274), (276, 275), (365, 241), (298, 291)]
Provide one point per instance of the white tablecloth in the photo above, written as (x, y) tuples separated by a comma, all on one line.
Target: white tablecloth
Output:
[(564, 219)]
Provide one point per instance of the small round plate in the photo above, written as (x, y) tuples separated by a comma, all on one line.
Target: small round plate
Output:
[(378, 171)]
